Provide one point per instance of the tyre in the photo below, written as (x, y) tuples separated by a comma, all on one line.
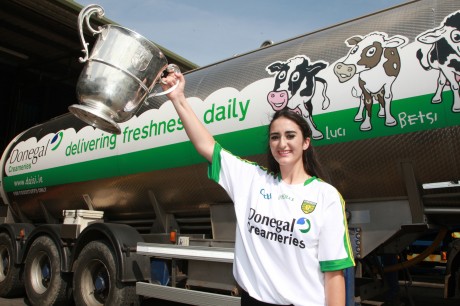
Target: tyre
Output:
[(11, 284), (95, 278), (44, 282)]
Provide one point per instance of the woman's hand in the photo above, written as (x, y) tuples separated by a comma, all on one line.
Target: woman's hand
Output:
[(169, 81)]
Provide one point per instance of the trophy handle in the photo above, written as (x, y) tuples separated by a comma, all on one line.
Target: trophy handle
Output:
[(85, 15), (169, 68), (164, 92)]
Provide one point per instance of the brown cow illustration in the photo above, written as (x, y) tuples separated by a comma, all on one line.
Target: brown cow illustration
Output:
[(375, 59)]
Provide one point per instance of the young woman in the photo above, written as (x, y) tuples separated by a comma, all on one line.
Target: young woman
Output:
[(291, 239)]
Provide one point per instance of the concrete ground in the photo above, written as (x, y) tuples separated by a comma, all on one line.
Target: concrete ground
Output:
[(13, 302), (22, 301), (410, 297)]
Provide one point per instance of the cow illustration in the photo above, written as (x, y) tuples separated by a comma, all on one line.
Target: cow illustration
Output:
[(295, 85), (375, 59), (444, 55)]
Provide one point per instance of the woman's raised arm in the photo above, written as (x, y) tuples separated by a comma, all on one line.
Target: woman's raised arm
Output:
[(195, 129)]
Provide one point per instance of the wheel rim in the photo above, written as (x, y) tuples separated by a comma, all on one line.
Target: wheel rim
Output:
[(4, 262), (95, 283), (40, 273)]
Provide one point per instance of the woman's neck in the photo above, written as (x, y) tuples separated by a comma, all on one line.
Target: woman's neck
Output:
[(294, 175)]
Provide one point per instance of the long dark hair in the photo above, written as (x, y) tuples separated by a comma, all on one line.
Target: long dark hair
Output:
[(310, 161)]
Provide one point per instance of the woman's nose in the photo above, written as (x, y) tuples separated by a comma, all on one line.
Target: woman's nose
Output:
[(282, 142)]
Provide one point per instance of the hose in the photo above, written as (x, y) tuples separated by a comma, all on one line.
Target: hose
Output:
[(406, 264)]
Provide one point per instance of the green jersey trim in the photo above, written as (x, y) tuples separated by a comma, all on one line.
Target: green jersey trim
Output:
[(335, 265), (346, 237), (215, 166), (308, 181)]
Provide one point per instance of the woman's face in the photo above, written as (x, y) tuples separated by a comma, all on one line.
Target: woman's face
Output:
[(287, 143)]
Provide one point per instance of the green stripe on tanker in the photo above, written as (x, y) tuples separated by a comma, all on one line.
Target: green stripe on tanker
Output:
[(414, 114)]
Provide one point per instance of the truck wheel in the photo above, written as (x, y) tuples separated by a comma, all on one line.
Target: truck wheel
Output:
[(95, 278), (44, 282), (10, 282)]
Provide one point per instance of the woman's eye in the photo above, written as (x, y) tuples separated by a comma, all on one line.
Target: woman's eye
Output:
[(290, 136), (274, 137)]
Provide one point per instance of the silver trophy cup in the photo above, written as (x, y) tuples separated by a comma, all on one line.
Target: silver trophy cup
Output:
[(120, 73)]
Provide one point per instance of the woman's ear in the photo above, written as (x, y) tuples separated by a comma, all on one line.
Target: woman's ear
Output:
[(306, 143)]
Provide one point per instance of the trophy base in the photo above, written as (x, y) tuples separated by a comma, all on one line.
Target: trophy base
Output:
[(95, 118)]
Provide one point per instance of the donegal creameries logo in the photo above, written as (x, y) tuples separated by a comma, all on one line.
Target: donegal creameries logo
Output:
[(23, 159), (308, 207)]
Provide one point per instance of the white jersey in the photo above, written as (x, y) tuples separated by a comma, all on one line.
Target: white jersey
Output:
[(286, 236)]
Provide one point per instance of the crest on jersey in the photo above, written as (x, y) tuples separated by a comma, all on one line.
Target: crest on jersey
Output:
[(308, 207)]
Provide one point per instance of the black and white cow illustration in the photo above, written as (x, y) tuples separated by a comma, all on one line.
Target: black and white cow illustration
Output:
[(295, 85), (444, 55), (375, 59)]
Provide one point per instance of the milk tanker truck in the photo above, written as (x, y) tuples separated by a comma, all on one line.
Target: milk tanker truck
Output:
[(109, 217)]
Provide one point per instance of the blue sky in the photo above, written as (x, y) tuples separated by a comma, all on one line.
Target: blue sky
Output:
[(207, 31)]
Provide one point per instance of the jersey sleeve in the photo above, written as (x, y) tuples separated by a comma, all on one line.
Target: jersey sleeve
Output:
[(335, 252), (231, 172)]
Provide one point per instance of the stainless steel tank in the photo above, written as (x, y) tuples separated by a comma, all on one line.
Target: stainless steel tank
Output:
[(362, 165)]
